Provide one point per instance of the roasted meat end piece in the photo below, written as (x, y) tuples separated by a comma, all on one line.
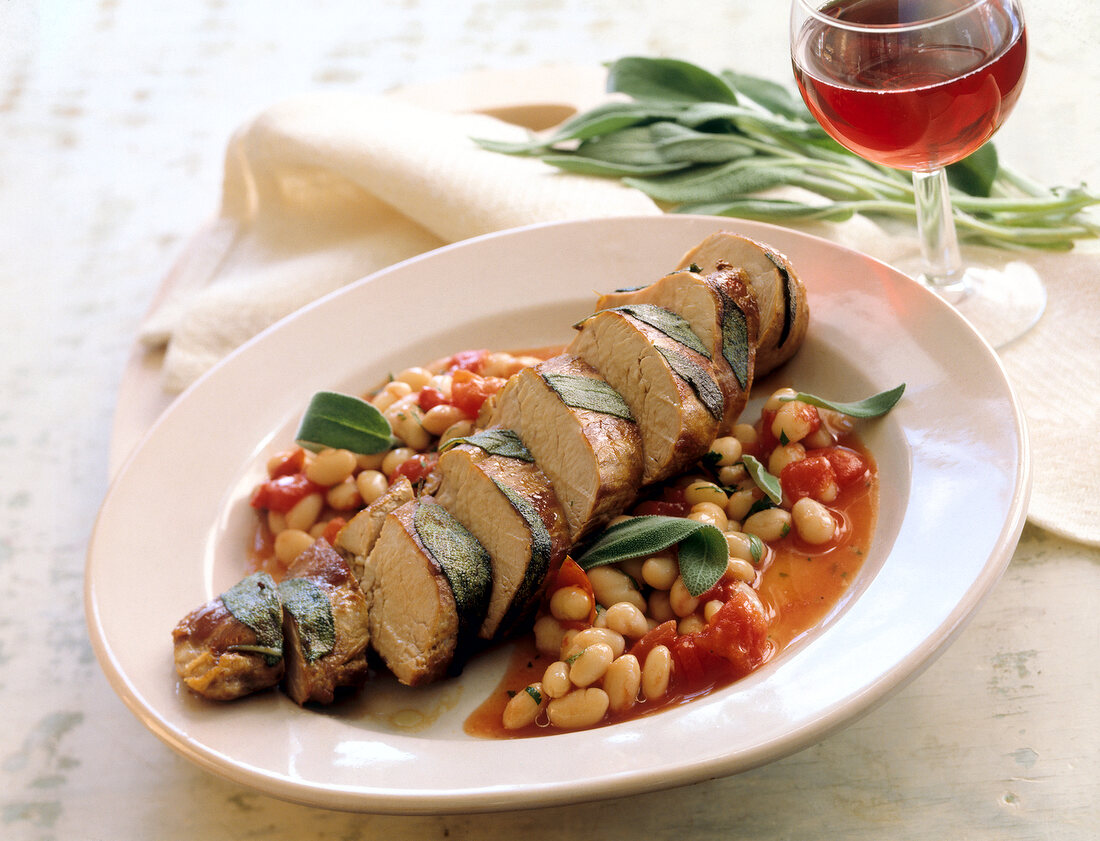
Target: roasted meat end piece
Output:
[(426, 603), (590, 448), (325, 625), (779, 293), (220, 657), (509, 505), (722, 312), (671, 389)]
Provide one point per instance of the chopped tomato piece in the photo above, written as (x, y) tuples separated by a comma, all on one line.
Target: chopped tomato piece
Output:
[(429, 398), (418, 467), (332, 528), (469, 391), (283, 493), (663, 508), (849, 466), (738, 633), (663, 634), (689, 661), (467, 360), (813, 476), (286, 463), (765, 441)]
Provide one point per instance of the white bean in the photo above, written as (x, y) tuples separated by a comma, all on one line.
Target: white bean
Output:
[(769, 524), (591, 664), (656, 672), (626, 619), (555, 680), (682, 602), (813, 521), (580, 708), (523, 707), (622, 682), (611, 585), (573, 644)]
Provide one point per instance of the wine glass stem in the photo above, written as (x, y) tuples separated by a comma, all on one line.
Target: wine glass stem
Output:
[(936, 225)]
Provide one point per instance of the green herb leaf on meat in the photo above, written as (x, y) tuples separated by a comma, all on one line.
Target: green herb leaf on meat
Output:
[(703, 551), (588, 393), (254, 601), (496, 442), (312, 611), (870, 407), (698, 377), (675, 326), (343, 422)]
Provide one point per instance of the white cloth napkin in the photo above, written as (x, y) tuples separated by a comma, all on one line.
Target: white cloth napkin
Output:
[(326, 188)]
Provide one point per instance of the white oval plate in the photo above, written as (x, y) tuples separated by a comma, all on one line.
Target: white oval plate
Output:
[(173, 527)]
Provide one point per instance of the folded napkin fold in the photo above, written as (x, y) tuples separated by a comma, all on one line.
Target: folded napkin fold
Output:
[(326, 188)]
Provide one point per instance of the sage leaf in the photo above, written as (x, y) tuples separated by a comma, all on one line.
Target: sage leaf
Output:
[(703, 551), (312, 611), (699, 122), (756, 548), (673, 325), (254, 601), (698, 377), (496, 442), (735, 339), (667, 80), (870, 407), (768, 483), (579, 165), (343, 422), (589, 394)]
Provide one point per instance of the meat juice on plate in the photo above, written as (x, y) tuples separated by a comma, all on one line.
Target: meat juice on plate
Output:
[(893, 99)]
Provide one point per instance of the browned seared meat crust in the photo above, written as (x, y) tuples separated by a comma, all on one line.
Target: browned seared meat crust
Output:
[(219, 657), (779, 293)]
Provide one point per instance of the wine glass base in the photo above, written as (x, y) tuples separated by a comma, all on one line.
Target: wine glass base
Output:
[(1001, 304)]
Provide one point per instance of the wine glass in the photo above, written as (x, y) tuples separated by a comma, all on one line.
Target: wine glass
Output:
[(917, 85)]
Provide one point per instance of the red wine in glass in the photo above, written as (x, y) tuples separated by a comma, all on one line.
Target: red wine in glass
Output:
[(903, 102), (918, 85)]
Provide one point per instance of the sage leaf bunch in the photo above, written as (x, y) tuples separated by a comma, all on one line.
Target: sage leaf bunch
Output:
[(718, 144)]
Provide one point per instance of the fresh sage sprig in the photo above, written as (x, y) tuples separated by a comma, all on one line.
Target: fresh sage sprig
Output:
[(869, 407), (703, 553), (767, 482), (699, 142), (342, 421)]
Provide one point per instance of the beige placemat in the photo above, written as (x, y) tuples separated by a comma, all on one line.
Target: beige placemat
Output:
[(324, 189)]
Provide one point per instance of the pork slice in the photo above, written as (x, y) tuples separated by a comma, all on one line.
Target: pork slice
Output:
[(355, 540), (509, 505), (218, 655), (592, 455), (325, 626), (428, 583), (671, 389), (722, 312), (779, 293)]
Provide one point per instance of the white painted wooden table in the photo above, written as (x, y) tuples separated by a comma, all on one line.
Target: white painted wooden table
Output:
[(113, 120)]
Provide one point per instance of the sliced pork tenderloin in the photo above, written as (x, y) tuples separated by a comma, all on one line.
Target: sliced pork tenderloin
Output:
[(325, 626), (581, 434), (509, 505), (780, 294), (721, 310), (428, 582), (669, 385)]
